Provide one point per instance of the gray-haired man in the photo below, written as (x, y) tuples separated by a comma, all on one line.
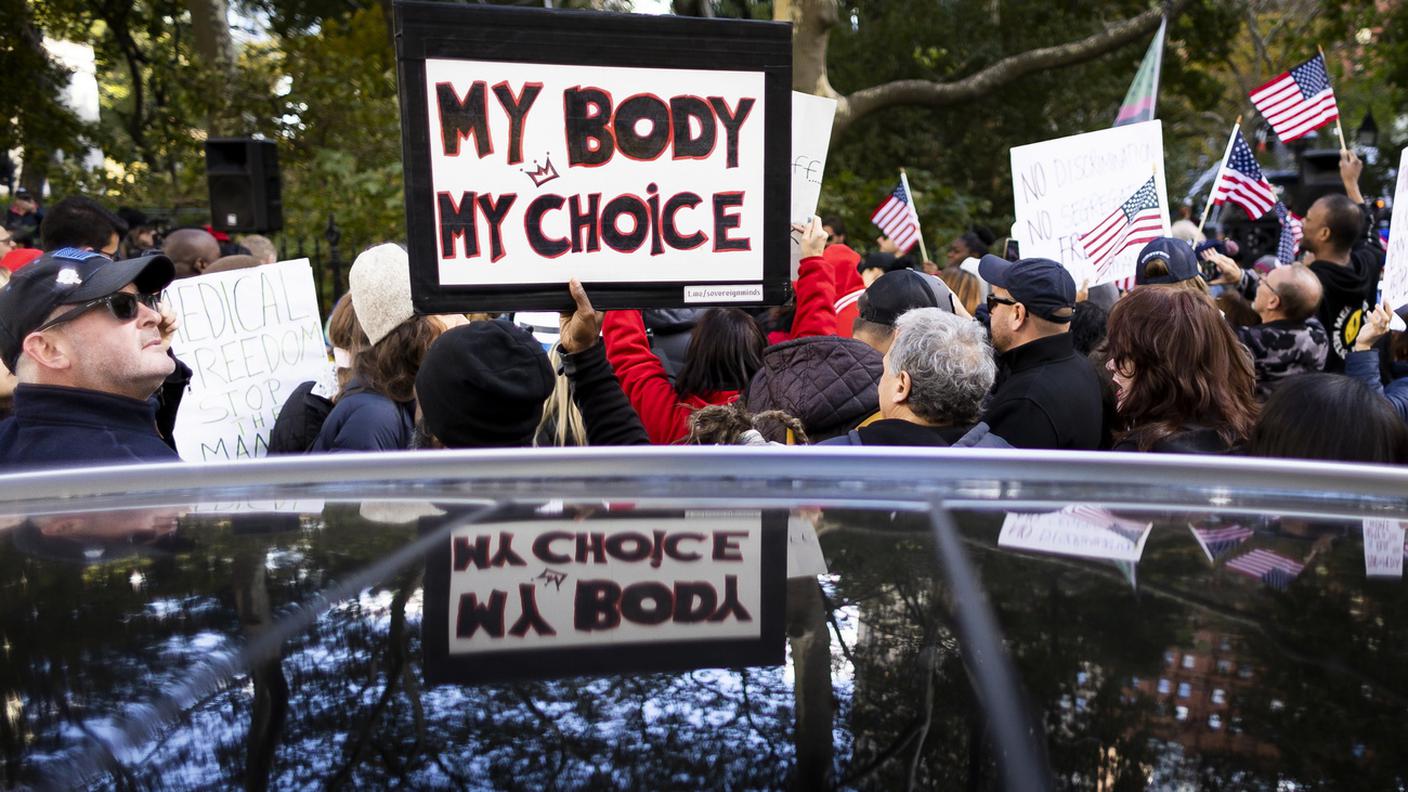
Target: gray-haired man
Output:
[(937, 371)]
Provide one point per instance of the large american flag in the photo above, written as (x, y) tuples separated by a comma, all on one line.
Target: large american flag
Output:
[(897, 220), (1299, 101), (1241, 181), (1135, 222), (1291, 233), (1274, 570), (1218, 542)]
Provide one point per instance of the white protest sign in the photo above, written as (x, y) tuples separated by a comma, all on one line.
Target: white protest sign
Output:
[(804, 556), (1395, 277), (1076, 531), (1063, 188), (250, 337), (812, 117), (1383, 548), (611, 174), (547, 585)]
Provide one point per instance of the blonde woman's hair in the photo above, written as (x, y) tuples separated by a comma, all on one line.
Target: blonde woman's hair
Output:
[(562, 423)]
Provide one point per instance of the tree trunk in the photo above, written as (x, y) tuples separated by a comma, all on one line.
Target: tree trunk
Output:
[(210, 24)]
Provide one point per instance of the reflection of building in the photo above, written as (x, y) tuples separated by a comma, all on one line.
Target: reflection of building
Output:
[(1199, 695)]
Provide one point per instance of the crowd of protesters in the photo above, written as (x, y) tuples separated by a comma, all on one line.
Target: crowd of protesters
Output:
[(1202, 354)]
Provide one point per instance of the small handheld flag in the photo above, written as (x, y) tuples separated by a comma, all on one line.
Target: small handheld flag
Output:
[(1299, 101), (896, 218), (1135, 222), (1143, 95), (1241, 181), (1291, 232)]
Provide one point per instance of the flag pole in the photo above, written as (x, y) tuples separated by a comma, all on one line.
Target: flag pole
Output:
[(914, 207), (1236, 128), (1338, 127)]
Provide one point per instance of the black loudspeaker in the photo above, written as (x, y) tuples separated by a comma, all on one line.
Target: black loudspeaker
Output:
[(245, 191), (1319, 175)]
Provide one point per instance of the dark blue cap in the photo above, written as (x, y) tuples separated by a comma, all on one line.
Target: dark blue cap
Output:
[(68, 276), (1042, 285), (1175, 255)]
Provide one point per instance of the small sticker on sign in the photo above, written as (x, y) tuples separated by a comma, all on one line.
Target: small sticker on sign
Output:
[(744, 292)]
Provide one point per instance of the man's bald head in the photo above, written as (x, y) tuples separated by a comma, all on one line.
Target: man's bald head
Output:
[(1297, 290), (191, 250)]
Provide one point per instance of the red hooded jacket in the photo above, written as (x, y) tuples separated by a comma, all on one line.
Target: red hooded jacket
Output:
[(664, 412)]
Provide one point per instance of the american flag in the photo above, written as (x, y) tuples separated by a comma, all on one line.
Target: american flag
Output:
[(1136, 221), (1299, 101), (1218, 542), (1291, 232), (1274, 570), (897, 220), (1242, 182)]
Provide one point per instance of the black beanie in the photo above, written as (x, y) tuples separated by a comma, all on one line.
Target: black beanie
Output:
[(483, 385)]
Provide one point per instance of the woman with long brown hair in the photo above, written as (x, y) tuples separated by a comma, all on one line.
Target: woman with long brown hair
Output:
[(1183, 383)]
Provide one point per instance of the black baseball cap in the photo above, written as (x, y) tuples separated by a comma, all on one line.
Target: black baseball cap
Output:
[(1177, 257), (901, 290), (877, 260), (1042, 285), (69, 276)]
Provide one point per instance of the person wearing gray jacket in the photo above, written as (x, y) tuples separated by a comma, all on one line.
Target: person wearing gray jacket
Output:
[(931, 391)]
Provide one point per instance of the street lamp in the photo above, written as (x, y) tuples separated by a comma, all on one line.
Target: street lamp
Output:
[(1367, 136)]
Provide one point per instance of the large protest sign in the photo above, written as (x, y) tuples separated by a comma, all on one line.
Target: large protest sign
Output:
[(551, 598), (1064, 187), (812, 117), (1395, 279), (646, 156), (250, 337)]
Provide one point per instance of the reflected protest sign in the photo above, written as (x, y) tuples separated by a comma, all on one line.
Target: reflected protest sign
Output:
[(1081, 531), (646, 156), (1063, 188), (812, 117), (1383, 547), (549, 598), (250, 337)]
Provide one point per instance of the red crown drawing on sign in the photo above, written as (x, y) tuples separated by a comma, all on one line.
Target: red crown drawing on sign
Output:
[(542, 174)]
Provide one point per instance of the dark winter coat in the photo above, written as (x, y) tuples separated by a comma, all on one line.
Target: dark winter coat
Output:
[(1046, 396), (896, 432), (364, 420), (826, 382), (53, 427)]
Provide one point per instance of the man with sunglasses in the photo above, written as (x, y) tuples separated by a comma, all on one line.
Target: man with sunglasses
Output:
[(1046, 395), (82, 333)]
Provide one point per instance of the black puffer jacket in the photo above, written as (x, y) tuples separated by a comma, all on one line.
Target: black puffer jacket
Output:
[(826, 382)]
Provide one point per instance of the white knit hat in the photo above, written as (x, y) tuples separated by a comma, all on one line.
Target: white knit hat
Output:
[(380, 283)]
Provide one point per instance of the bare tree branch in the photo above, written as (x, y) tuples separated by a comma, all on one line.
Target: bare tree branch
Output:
[(809, 42)]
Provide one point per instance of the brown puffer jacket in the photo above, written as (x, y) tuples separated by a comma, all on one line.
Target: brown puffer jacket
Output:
[(826, 382)]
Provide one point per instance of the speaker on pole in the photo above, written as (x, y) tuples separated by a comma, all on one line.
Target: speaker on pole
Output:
[(245, 191)]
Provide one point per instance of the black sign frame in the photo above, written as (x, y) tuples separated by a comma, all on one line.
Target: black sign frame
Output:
[(615, 659), (521, 35)]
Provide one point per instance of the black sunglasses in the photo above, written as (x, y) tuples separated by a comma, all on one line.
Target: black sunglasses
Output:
[(994, 300), (122, 306)]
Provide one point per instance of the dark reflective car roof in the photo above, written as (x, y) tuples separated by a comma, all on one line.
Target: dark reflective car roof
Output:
[(1173, 623)]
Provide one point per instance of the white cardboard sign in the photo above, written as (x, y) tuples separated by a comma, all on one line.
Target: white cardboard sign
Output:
[(1062, 188), (1395, 278), (250, 337), (812, 117)]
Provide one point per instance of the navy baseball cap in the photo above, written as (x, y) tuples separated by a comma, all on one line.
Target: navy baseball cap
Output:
[(69, 276), (1042, 285), (901, 290), (1177, 258)]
